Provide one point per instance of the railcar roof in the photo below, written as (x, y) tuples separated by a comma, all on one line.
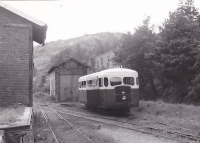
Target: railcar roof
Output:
[(108, 71), (118, 70)]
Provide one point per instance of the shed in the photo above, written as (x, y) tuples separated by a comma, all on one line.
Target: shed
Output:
[(64, 79), (17, 33)]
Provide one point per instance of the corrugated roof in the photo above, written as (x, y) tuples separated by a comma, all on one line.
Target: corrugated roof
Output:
[(65, 61), (39, 27)]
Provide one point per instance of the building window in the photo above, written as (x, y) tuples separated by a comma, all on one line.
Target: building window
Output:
[(97, 64), (107, 65)]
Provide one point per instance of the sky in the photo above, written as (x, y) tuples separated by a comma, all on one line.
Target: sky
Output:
[(74, 18)]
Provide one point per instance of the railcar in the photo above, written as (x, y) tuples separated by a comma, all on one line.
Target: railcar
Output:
[(110, 89)]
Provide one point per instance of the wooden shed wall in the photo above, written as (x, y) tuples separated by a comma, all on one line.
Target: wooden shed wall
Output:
[(52, 84), (66, 80)]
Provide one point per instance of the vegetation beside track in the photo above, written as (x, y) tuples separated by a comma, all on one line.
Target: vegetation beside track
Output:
[(180, 115)]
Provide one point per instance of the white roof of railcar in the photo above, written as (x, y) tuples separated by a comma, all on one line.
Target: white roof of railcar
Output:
[(83, 78), (118, 70), (108, 71)]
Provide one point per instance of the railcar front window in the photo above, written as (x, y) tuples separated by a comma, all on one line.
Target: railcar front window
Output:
[(128, 80), (115, 81), (137, 81)]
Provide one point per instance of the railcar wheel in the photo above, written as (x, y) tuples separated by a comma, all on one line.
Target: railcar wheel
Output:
[(88, 106), (101, 110)]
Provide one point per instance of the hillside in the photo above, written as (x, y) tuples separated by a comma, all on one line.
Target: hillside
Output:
[(83, 48), (96, 44)]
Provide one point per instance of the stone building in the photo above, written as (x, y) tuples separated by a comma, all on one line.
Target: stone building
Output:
[(104, 61), (17, 33)]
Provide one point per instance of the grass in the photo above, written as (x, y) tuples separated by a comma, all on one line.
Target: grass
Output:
[(92, 133), (43, 96), (181, 115), (9, 115)]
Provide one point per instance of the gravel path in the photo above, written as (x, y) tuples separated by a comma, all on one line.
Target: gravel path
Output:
[(127, 136)]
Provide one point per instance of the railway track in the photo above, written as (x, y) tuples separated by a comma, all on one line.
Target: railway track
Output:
[(160, 129), (158, 125), (47, 121), (62, 118)]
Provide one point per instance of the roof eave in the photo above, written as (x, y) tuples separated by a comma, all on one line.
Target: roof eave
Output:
[(65, 61), (39, 27)]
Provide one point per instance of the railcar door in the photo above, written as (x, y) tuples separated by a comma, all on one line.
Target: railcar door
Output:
[(101, 92), (92, 91)]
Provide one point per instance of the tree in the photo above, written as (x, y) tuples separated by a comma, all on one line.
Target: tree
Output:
[(176, 51), (59, 57), (131, 54)]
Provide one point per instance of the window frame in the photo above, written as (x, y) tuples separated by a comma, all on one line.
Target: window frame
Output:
[(106, 82), (133, 79), (116, 84)]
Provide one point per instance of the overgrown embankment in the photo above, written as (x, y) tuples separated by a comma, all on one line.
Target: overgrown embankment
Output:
[(181, 115)]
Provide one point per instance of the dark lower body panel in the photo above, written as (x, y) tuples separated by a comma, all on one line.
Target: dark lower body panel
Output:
[(108, 99)]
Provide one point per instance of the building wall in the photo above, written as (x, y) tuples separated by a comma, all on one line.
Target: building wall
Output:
[(16, 47), (52, 84), (7, 17), (104, 61), (66, 80)]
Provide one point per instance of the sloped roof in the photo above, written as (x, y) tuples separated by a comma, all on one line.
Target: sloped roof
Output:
[(65, 61), (39, 27)]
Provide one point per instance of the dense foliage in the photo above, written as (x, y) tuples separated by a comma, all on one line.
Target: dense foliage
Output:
[(167, 62), (131, 54)]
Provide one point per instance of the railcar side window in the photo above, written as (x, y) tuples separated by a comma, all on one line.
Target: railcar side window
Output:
[(105, 81), (128, 80), (100, 82), (84, 84), (137, 81), (115, 81), (91, 83)]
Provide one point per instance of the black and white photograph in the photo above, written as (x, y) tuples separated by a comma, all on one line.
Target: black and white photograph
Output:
[(100, 71)]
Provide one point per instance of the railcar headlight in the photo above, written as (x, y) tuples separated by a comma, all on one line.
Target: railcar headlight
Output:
[(123, 97)]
